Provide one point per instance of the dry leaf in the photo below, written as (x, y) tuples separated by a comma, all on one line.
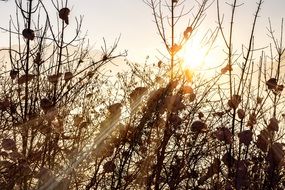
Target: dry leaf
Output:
[(234, 101), (25, 78), (241, 113), (271, 83), (218, 114), (54, 78), (227, 68), (174, 103), (187, 90), (187, 32), (28, 34), (77, 119), (46, 104), (5, 104), (63, 14), (200, 115), (223, 134), (115, 109), (263, 140), (159, 64), (273, 125), (276, 153), (175, 120), (68, 76), (8, 144), (175, 48), (137, 93), (252, 120), (38, 59), (14, 74), (109, 167), (245, 137), (259, 100), (199, 126)]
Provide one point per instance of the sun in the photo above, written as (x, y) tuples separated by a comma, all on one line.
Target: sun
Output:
[(194, 56), (201, 57)]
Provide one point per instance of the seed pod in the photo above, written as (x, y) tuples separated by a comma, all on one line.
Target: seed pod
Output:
[(14, 74), (68, 76), (199, 126), (245, 137), (8, 144), (46, 104), (54, 78), (241, 113), (25, 78), (271, 83), (273, 125), (28, 34), (234, 101), (63, 14)]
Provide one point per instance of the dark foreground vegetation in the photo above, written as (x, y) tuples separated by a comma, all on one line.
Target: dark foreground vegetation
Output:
[(66, 124)]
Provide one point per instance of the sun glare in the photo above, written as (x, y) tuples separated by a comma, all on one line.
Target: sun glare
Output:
[(193, 57), (197, 57)]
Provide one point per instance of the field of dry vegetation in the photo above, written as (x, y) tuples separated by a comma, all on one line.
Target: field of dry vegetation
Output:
[(65, 124)]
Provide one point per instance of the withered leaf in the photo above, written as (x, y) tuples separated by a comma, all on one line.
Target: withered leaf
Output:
[(273, 125), (174, 103), (263, 140), (234, 101), (271, 83), (14, 74), (8, 144), (245, 137), (159, 64), (259, 100), (63, 14), (175, 120), (109, 167), (68, 76), (199, 126), (252, 120), (28, 34), (54, 78), (137, 93), (276, 153), (187, 90), (46, 104), (187, 32), (115, 108), (25, 78), (227, 68), (241, 113), (5, 104), (223, 134), (175, 48)]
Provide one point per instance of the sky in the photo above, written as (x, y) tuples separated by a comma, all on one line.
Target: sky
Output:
[(133, 21)]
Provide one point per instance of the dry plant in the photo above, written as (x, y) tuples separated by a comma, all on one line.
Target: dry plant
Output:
[(43, 83), (160, 141), (186, 133), (66, 125)]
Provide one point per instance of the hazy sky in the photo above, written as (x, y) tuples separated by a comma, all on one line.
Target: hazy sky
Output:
[(132, 19)]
